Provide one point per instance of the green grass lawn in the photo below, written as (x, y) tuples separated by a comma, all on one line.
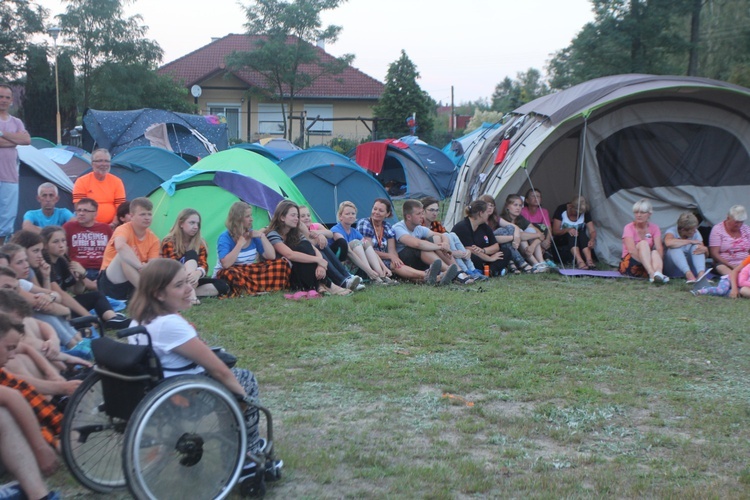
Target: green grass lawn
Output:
[(526, 386)]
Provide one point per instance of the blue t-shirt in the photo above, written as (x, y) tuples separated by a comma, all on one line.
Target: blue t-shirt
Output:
[(353, 233), (59, 217), (247, 255)]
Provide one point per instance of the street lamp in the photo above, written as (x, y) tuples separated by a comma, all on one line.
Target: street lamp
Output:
[(54, 32)]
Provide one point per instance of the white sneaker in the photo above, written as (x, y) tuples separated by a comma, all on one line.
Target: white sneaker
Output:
[(660, 278), (352, 282)]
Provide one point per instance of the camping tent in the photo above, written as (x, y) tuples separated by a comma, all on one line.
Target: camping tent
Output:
[(121, 130), (423, 169), (458, 149), (279, 146), (326, 178), (213, 184), (36, 168), (70, 162), (681, 142), (143, 168), (257, 148)]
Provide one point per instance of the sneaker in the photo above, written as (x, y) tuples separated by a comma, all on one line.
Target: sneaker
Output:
[(449, 275), (119, 322), (12, 491), (433, 272), (551, 264), (352, 282), (389, 281), (660, 278), (359, 288)]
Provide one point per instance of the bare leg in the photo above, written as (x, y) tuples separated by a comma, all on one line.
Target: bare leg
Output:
[(409, 273), (373, 260), (359, 259), (430, 257), (644, 253), (120, 271), (723, 269), (18, 458), (656, 261)]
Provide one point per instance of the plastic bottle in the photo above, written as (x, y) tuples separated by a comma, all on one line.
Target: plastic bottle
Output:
[(487, 270)]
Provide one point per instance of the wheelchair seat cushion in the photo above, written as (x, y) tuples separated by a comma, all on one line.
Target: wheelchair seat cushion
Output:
[(120, 357)]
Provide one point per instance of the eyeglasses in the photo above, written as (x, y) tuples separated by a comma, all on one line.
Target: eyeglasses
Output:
[(83, 210)]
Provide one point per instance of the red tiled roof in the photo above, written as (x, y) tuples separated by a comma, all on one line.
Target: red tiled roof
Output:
[(208, 60)]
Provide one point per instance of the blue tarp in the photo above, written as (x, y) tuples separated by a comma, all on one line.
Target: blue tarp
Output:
[(121, 130)]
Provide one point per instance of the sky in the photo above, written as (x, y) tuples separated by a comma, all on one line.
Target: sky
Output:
[(469, 44)]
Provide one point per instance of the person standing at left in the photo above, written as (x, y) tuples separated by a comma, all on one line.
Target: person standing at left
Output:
[(12, 134)]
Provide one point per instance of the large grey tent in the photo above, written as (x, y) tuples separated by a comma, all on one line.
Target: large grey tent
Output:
[(681, 142)]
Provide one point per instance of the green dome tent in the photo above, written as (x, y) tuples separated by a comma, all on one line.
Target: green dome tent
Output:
[(213, 184)]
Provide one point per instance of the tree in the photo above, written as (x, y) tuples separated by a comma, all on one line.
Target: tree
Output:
[(114, 89), (401, 98), (510, 94), (39, 105), (627, 36), (97, 33), (283, 36), (19, 21)]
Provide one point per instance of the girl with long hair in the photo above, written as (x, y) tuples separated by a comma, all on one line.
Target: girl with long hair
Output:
[(240, 249), (185, 244), (309, 268)]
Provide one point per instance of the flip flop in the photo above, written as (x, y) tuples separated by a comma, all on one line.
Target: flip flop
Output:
[(312, 294), (296, 296)]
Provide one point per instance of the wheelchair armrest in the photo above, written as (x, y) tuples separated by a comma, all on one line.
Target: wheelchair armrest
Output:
[(83, 321), (133, 330)]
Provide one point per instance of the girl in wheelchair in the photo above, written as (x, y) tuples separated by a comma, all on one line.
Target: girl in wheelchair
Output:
[(163, 291)]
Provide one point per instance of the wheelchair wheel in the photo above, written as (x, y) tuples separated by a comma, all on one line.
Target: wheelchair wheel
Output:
[(91, 441), (186, 439)]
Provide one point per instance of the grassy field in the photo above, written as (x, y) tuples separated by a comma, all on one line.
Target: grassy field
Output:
[(526, 386)]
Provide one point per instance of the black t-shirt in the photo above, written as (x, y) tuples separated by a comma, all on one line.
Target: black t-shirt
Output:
[(482, 237), (60, 274)]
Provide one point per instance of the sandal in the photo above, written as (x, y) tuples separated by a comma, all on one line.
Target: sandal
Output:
[(532, 270), (464, 279), (513, 269)]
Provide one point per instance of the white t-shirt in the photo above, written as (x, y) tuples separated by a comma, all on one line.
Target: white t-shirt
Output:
[(167, 333), (25, 285)]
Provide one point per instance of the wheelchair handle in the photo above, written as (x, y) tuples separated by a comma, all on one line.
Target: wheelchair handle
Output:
[(133, 330), (83, 321)]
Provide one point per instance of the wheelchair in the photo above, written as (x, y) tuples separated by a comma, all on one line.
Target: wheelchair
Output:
[(126, 426)]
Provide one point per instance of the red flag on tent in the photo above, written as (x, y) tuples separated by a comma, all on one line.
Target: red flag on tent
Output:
[(502, 151)]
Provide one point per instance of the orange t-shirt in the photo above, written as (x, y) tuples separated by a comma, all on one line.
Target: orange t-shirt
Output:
[(109, 194), (145, 249)]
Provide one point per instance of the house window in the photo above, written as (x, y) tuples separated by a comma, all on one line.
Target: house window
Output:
[(270, 119), (322, 111), (232, 116)]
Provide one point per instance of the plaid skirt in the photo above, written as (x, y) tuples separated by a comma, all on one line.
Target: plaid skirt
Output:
[(249, 279)]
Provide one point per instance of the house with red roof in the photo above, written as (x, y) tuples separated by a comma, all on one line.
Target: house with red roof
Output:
[(343, 103)]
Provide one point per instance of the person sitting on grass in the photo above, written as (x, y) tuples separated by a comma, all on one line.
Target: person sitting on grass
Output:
[(239, 252), (458, 254), (575, 233), (642, 250), (45, 303), (185, 244), (686, 254), (531, 236), (319, 236), (24, 450), (68, 276), (729, 241), (417, 249), (87, 238), (508, 235), (361, 253), (534, 212), (377, 230), (309, 268), (30, 364), (132, 245), (478, 238)]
